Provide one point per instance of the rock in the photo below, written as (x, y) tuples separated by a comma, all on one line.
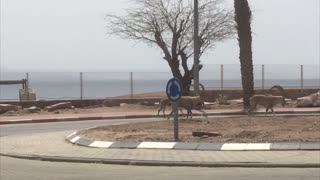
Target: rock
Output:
[(123, 104), (209, 134), (10, 113), (222, 100), (236, 101), (64, 105), (207, 105), (313, 100), (8, 107), (33, 109)]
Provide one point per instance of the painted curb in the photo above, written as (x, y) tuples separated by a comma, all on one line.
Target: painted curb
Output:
[(162, 163), (108, 117), (78, 140)]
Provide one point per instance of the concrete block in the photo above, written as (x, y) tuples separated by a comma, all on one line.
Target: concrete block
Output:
[(258, 146), (186, 146), (310, 146), (158, 145), (127, 145), (210, 146), (84, 142), (285, 146), (101, 144), (234, 146)]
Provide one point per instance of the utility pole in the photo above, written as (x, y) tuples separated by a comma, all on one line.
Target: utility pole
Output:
[(196, 49), (0, 47)]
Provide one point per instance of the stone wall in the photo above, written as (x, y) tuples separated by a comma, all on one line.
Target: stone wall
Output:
[(210, 97), (238, 93)]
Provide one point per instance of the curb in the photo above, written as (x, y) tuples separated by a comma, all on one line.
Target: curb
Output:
[(162, 163), (78, 140), (85, 118)]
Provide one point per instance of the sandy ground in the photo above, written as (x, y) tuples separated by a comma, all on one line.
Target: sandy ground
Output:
[(240, 129)]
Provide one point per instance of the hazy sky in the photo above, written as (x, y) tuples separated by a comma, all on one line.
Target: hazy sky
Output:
[(70, 35)]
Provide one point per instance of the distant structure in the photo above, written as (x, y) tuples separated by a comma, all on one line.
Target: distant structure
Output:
[(26, 93)]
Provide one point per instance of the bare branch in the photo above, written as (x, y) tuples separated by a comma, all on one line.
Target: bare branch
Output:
[(168, 24)]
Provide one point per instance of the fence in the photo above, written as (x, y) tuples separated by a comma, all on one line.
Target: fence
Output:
[(75, 85)]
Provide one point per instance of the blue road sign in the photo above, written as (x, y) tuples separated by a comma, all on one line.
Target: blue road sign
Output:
[(174, 89)]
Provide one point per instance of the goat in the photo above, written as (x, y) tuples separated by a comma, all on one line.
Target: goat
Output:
[(163, 104), (268, 101), (189, 103)]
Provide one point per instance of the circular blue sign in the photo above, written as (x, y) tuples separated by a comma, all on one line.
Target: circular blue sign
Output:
[(174, 89)]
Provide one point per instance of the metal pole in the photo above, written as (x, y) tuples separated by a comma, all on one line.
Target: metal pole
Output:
[(131, 85), (27, 84), (196, 49), (262, 79), (176, 121), (27, 87), (319, 73), (0, 47), (81, 85), (221, 76), (301, 77)]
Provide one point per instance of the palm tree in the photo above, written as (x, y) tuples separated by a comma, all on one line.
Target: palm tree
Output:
[(243, 20)]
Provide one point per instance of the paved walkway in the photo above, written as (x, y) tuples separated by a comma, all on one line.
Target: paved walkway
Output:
[(138, 114), (53, 147)]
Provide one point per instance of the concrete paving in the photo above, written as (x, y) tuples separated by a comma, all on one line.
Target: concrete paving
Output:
[(53, 147)]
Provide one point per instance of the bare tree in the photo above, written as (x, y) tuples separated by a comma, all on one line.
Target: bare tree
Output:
[(168, 24), (243, 19)]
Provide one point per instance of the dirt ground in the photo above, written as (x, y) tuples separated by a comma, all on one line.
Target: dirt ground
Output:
[(244, 129), (119, 109), (233, 104), (239, 129)]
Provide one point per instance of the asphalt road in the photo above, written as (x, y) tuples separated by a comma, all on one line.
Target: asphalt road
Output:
[(32, 170), (12, 129)]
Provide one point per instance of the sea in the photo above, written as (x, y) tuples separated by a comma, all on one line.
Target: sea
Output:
[(73, 85)]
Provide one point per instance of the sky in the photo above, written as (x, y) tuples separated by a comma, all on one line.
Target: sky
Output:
[(70, 35)]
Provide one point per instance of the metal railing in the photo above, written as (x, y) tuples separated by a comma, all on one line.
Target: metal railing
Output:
[(75, 85)]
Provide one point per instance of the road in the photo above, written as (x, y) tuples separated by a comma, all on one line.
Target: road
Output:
[(6, 130), (11, 168), (32, 170)]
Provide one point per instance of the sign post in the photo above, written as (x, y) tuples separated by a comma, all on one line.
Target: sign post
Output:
[(174, 92), (196, 54)]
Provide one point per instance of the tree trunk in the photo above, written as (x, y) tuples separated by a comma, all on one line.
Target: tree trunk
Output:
[(185, 79), (243, 20)]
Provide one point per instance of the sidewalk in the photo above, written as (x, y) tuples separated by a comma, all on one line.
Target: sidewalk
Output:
[(53, 147), (138, 114)]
